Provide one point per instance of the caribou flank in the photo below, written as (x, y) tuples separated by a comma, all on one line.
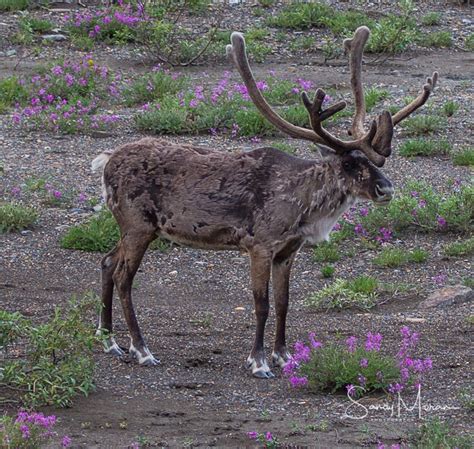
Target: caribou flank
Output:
[(263, 202)]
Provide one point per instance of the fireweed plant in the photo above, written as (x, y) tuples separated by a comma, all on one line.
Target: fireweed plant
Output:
[(113, 24), (30, 430), (67, 96), (357, 368), (224, 108), (416, 207)]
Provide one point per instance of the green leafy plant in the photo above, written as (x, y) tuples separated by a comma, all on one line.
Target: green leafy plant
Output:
[(373, 95), (35, 25), (450, 108), (464, 157), (419, 207), (327, 271), (13, 5), (423, 124), (438, 39), (436, 434), (16, 217), (307, 43), (29, 430), (153, 86), (423, 147), (11, 91), (301, 16), (392, 34), (58, 364), (470, 42), (460, 248), (395, 257), (100, 233), (342, 294), (432, 18), (326, 252)]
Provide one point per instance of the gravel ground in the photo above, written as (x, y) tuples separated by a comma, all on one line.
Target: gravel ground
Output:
[(201, 394)]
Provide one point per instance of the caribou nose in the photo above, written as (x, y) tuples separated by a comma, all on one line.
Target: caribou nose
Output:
[(384, 193)]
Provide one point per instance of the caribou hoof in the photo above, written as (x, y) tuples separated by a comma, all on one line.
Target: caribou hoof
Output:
[(111, 347), (143, 356), (280, 358), (260, 369)]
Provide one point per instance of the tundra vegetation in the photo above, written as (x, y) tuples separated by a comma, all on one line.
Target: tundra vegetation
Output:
[(48, 358)]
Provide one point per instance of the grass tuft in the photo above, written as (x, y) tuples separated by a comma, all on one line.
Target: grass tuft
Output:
[(431, 19), (423, 147), (326, 252), (395, 257), (15, 217), (460, 248), (423, 124), (464, 157)]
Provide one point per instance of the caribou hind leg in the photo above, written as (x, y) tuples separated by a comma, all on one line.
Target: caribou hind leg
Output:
[(131, 250), (281, 282), (260, 265), (108, 265)]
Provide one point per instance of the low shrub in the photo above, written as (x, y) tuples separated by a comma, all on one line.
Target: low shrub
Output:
[(435, 434), (464, 157), (14, 5), (16, 217), (326, 252), (460, 248), (356, 369), (30, 430), (395, 257), (419, 207), (58, 363), (423, 147), (342, 294), (374, 95), (431, 19), (12, 91), (438, 39), (327, 271), (450, 108), (423, 124), (100, 233), (301, 16)]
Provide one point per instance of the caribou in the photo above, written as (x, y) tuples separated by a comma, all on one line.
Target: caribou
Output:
[(263, 202)]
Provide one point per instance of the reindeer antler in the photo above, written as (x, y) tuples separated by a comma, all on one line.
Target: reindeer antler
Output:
[(375, 143)]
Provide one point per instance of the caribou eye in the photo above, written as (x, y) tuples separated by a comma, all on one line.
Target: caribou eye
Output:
[(349, 166)]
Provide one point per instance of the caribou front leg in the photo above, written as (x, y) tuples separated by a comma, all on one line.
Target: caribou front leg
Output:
[(109, 263), (281, 282), (131, 249), (260, 265)]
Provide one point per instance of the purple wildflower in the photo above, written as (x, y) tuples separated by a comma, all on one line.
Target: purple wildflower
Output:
[(66, 441), (337, 227), (373, 342), (314, 343), (363, 363), (364, 212), (350, 390), (441, 221), (305, 84), (269, 436), (359, 230), (439, 279), (252, 435), (351, 343)]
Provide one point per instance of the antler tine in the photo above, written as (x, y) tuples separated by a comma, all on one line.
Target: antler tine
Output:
[(239, 56), (355, 47), (418, 101), (364, 143)]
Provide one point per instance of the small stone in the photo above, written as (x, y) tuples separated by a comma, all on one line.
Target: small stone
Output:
[(54, 37), (11, 52), (448, 296), (239, 309), (415, 320)]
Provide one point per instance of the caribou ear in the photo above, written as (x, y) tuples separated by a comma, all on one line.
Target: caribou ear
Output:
[(324, 152)]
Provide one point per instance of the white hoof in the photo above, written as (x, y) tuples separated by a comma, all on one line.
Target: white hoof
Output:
[(143, 356), (279, 359), (260, 370)]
